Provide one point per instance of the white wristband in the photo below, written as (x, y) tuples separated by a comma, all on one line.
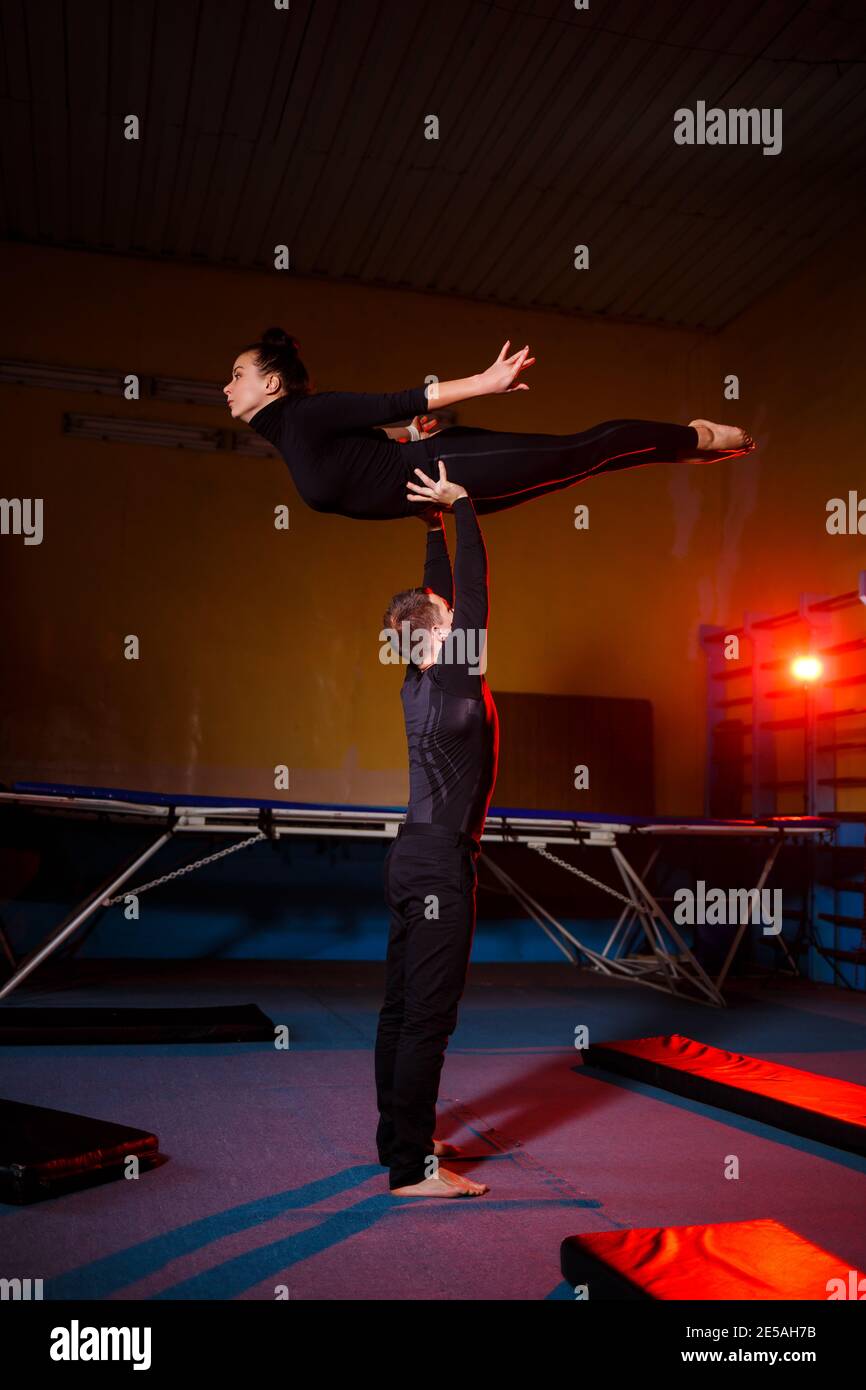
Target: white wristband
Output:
[(414, 433)]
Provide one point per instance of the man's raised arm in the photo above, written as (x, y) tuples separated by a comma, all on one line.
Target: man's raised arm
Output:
[(472, 602), (462, 661), (437, 562)]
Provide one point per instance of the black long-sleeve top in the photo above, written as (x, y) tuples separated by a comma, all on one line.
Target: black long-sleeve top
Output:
[(338, 461), (452, 728)]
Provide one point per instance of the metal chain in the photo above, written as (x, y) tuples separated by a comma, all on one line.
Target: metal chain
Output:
[(186, 869), (572, 869)]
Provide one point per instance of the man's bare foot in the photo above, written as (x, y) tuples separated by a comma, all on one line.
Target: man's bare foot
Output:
[(444, 1150), (445, 1184), (719, 440)]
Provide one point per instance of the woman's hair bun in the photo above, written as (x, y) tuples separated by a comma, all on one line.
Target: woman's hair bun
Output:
[(277, 351), (278, 338)]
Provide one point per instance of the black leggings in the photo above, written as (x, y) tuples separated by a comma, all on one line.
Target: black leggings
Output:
[(503, 470)]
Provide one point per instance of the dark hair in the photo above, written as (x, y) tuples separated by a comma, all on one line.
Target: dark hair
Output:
[(277, 351), (412, 606)]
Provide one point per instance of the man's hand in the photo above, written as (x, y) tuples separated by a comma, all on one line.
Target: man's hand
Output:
[(441, 493), (427, 424)]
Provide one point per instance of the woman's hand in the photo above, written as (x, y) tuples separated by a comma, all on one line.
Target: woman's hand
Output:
[(501, 377), (441, 493)]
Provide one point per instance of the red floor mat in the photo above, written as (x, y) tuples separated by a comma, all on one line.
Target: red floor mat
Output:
[(818, 1107), (759, 1259)]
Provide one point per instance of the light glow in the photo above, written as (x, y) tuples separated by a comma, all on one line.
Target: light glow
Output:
[(806, 669)]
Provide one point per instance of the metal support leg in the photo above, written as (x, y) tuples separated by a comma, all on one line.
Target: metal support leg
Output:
[(629, 916), (81, 914), (729, 958), (671, 966), (670, 970), (539, 914)]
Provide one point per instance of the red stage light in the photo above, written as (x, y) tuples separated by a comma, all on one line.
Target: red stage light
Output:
[(806, 669)]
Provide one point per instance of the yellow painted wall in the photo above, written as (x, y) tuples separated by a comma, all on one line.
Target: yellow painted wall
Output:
[(260, 647), (800, 356)]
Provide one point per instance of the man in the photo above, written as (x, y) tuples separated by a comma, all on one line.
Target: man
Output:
[(452, 732)]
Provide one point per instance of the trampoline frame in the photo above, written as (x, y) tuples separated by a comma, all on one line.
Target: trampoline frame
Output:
[(678, 973)]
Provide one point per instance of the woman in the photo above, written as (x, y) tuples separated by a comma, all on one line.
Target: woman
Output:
[(342, 463)]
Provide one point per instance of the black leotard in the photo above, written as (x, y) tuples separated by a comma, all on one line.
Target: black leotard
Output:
[(341, 463)]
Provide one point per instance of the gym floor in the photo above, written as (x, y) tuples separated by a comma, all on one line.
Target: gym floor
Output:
[(269, 1184)]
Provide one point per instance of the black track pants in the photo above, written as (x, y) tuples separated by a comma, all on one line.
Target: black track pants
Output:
[(430, 891)]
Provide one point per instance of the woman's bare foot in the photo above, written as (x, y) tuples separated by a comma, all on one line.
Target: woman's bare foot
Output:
[(719, 441), (444, 1150), (445, 1184)]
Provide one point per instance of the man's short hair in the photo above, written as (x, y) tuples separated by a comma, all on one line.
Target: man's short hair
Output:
[(411, 606)]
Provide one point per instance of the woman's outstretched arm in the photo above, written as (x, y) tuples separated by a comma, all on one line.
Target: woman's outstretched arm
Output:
[(329, 412), (499, 379)]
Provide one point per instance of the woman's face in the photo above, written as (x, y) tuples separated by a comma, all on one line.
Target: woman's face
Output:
[(249, 389)]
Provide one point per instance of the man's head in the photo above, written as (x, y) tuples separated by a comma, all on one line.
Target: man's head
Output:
[(422, 621)]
